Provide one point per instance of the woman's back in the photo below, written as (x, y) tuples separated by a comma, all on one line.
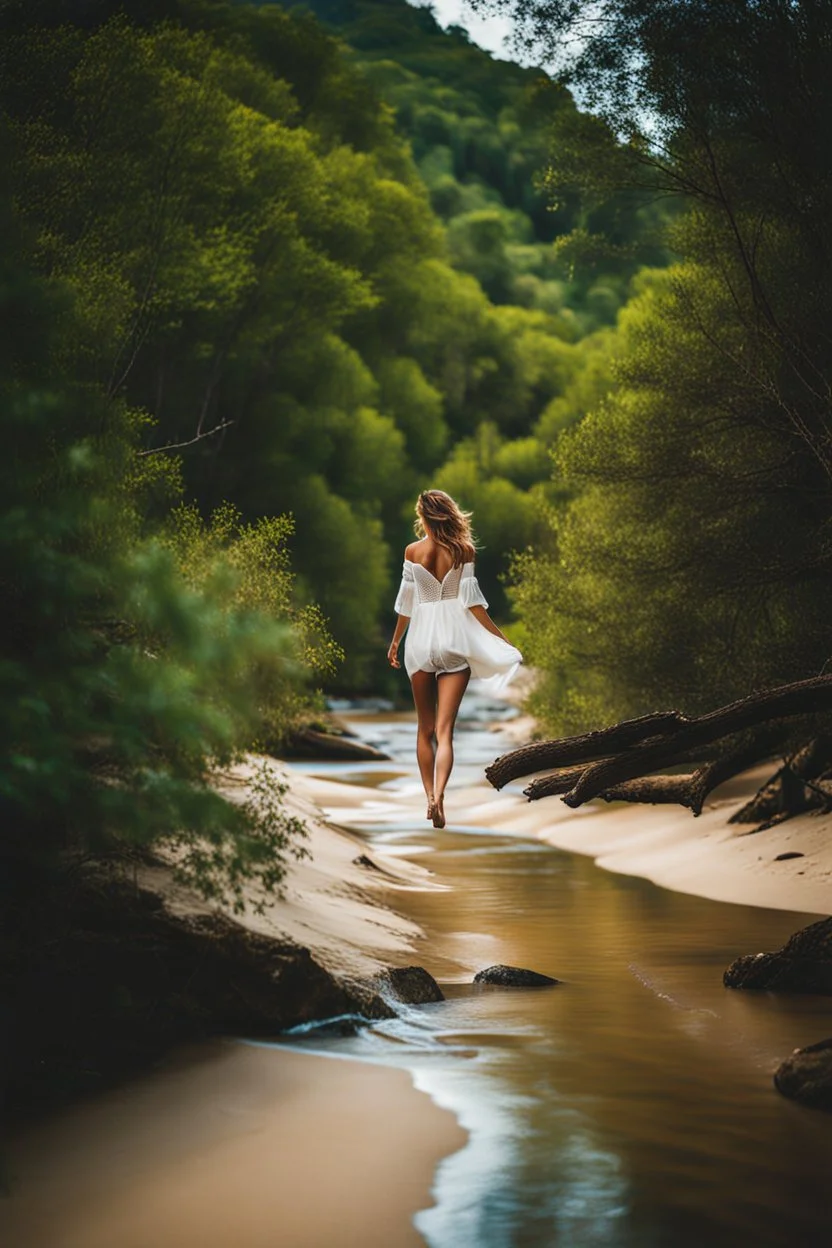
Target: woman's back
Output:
[(437, 559)]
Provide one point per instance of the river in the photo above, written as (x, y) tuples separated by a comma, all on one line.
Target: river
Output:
[(630, 1106)]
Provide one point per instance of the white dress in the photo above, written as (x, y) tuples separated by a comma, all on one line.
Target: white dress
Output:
[(443, 635)]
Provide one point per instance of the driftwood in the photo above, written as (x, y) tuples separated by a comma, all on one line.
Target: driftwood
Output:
[(687, 789), (619, 763), (801, 783), (580, 749), (310, 743)]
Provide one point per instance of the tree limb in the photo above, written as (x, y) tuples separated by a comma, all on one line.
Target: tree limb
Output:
[(687, 789), (597, 744), (175, 446), (607, 762)]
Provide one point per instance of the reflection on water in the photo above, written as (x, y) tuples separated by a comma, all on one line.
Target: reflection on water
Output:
[(633, 1104), (629, 1107)]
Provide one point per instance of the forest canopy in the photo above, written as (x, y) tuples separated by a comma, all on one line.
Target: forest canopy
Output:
[(288, 266), (691, 561), (262, 285), (323, 300)]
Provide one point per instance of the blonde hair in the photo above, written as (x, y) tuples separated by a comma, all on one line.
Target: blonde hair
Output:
[(438, 516)]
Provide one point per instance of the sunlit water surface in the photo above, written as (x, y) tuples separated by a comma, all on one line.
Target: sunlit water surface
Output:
[(630, 1106)]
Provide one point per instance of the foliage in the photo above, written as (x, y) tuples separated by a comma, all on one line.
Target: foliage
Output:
[(690, 559), (249, 217), (247, 566), (256, 267), (124, 683), (482, 133), (266, 835)]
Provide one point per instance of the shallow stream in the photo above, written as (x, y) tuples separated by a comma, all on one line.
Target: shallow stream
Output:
[(632, 1105)]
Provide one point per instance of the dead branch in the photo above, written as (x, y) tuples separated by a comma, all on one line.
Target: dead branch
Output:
[(686, 789), (620, 762), (198, 437), (580, 749), (798, 785)]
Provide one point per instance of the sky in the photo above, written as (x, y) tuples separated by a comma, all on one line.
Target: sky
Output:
[(488, 32)]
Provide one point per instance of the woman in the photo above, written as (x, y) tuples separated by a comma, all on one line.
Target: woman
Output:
[(451, 637)]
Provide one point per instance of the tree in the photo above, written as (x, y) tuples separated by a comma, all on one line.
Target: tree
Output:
[(705, 96), (690, 558), (124, 682)]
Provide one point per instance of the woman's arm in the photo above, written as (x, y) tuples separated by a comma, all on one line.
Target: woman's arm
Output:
[(480, 613), (402, 622)]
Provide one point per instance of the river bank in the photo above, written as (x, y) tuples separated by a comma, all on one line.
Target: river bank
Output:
[(146, 1137), (786, 867), (547, 1111), (233, 1144), (706, 856)]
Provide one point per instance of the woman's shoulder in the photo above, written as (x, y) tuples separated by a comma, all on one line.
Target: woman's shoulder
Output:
[(422, 550), (413, 552)]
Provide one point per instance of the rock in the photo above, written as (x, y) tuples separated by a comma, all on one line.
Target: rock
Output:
[(513, 977), (103, 979), (207, 971), (378, 996), (806, 1076), (105, 986), (366, 999), (791, 854), (411, 985), (804, 964)]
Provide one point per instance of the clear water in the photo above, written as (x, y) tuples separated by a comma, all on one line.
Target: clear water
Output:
[(630, 1106)]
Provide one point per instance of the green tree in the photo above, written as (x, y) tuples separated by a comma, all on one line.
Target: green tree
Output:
[(689, 556), (124, 684), (257, 267)]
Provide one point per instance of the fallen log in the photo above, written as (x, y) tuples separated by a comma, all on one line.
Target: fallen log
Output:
[(800, 784), (310, 743), (687, 789), (588, 745), (619, 763)]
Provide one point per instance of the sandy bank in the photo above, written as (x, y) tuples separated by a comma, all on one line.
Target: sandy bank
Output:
[(706, 856), (332, 902), (234, 1145)]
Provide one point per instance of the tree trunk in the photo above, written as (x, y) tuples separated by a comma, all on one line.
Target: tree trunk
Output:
[(599, 744), (787, 791), (619, 763), (688, 789)]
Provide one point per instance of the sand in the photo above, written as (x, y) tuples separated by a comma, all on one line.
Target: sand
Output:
[(234, 1145), (332, 903), (705, 855)]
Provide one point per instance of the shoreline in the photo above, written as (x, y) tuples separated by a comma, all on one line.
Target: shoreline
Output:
[(265, 1130), (220, 1141), (225, 1144), (705, 856)]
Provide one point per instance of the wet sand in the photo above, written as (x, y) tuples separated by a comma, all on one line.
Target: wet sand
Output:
[(706, 856), (234, 1144), (229, 1144), (239, 1145)]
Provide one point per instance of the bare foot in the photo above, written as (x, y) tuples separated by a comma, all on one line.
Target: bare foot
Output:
[(431, 805), (439, 811)]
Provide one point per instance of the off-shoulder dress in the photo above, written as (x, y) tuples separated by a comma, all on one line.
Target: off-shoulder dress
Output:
[(443, 635)]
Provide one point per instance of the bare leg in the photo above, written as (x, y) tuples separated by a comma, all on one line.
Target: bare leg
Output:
[(424, 697), (451, 687)]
